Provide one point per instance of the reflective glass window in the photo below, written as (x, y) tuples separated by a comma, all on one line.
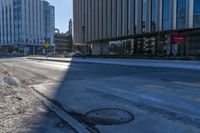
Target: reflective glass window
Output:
[(122, 16), (154, 11), (136, 15), (196, 13), (166, 15), (129, 13), (144, 15), (117, 23), (181, 14)]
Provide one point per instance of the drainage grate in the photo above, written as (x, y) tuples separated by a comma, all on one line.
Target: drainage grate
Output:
[(108, 116)]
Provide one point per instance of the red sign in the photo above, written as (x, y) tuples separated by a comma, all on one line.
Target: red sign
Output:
[(178, 39)]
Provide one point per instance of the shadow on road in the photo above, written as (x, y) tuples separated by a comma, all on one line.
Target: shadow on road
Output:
[(75, 89), (74, 95), (61, 95)]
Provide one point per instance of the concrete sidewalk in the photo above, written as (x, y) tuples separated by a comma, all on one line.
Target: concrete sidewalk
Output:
[(194, 65)]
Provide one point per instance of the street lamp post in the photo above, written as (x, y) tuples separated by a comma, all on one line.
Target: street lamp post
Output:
[(83, 30)]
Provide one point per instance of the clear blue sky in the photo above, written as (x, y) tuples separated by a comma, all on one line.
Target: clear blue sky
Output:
[(63, 10)]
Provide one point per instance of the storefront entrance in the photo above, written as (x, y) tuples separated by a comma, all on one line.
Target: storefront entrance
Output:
[(159, 45), (141, 46)]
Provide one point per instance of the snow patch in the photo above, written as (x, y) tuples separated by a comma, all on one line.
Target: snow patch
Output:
[(8, 79)]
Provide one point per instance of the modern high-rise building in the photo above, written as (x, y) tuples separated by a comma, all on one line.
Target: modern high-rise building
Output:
[(25, 25), (138, 27), (49, 22)]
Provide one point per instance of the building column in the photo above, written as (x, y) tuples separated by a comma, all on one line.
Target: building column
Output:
[(114, 18), (119, 17), (132, 46), (105, 26), (33, 50), (125, 18), (109, 18), (100, 19)]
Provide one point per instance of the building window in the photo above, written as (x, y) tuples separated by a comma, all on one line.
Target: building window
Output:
[(111, 12), (181, 14), (196, 13), (136, 16), (166, 15), (144, 15), (128, 15), (154, 7), (122, 18), (117, 23)]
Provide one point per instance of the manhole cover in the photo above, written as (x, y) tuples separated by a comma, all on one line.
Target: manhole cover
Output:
[(109, 116)]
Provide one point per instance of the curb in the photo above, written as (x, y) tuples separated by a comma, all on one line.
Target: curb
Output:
[(48, 60), (76, 125), (183, 66)]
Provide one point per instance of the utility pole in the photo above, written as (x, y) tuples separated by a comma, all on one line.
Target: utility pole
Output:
[(83, 30)]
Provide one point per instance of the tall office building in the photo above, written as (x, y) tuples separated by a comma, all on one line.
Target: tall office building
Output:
[(138, 27), (49, 22), (25, 25)]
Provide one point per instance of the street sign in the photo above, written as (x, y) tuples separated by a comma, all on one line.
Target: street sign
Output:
[(46, 45), (178, 39)]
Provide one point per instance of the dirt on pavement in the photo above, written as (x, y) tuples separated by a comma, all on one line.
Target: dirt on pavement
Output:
[(22, 112)]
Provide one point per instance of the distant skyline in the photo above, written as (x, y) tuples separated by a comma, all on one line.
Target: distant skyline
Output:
[(63, 13)]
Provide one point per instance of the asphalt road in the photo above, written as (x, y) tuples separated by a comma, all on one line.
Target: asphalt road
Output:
[(82, 88)]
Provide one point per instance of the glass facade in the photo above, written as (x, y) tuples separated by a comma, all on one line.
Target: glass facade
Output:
[(166, 15), (17, 20), (122, 16), (154, 10), (22, 24), (159, 18), (135, 16), (140, 46), (196, 14), (144, 15), (136, 13), (129, 16), (120, 47), (181, 14), (117, 23)]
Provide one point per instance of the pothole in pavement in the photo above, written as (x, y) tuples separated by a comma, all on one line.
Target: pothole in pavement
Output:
[(109, 116)]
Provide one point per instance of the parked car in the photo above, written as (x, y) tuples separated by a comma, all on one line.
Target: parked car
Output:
[(76, 54)]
